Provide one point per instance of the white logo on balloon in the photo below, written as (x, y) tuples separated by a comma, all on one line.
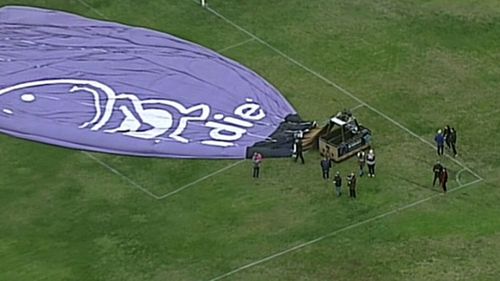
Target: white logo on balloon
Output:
[(224, 132)]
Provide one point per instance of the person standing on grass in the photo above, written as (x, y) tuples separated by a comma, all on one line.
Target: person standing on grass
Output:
[(453, 141), (437, 169), (325, 167), (257, 161), (298, 150), (370, 162), (446, 135), (439, 138), (361, 161), (351, 183), (444, 179), (337, 180)]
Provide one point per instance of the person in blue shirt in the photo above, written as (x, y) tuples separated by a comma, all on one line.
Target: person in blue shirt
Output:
[(439, 138)]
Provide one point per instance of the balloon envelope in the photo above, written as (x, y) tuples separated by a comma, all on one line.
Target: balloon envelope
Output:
[(101, 86)]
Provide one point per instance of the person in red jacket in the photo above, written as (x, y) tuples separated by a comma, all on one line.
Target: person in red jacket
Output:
[(257, 161), (444, 179)]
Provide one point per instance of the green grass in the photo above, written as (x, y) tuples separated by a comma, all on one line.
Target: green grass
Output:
[(423, 63)]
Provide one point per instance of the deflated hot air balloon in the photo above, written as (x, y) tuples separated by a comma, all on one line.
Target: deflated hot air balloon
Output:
[(101, 86)]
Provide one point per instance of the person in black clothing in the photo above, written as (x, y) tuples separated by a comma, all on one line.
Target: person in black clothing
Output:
[(453, 141), (325, 167), (437, 169), (298, 150), (338, 184), (351, 182), (361, 161), (446, 134)]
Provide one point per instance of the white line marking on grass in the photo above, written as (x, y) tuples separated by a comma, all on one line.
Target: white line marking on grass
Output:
[(357, 106), (235, 45), (116, 172), (457, 177), (201, 179), (93, 9), (335, 85), (305, 244), (145, 190)]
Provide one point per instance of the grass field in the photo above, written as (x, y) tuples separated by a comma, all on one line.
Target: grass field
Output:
[(408, 66)]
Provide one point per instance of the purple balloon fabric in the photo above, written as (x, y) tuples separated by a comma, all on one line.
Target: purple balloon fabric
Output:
[(101, 86)]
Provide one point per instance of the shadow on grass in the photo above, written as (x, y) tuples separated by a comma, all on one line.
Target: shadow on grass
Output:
[(414, 183)]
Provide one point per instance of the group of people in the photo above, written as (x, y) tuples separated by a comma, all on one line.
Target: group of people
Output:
[(369, 160), (364, 159), (446, 136)]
